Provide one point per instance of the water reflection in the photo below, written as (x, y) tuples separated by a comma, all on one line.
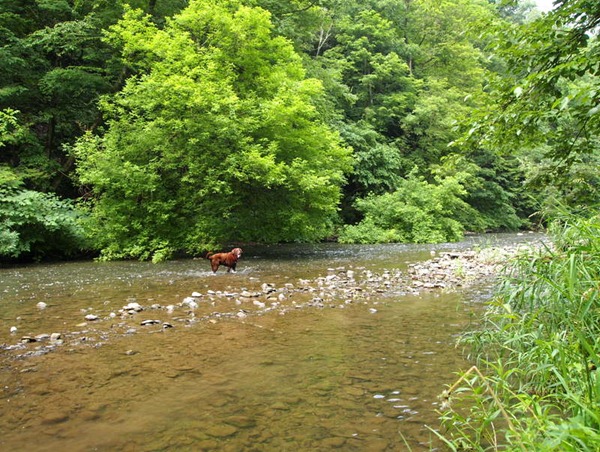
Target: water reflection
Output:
[(365, 377)]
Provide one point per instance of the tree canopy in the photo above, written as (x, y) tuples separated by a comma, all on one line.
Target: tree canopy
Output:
[(215, 138), (173, 125)]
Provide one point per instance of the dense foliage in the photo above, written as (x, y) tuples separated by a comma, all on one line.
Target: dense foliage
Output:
[(547, 102), (211, 142), (536, 386), (185, 124), (37, 225)]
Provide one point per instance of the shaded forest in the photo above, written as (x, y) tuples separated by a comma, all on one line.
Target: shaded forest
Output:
[(146, 128)]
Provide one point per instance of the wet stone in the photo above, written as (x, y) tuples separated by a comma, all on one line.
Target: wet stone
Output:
[(55, 418), (221, 430), (377, 445), (333, 443), (280, 406), (241, 421), (208, 444), (133, 306)]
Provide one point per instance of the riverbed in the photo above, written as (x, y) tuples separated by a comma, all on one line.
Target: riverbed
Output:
[(304, 348)]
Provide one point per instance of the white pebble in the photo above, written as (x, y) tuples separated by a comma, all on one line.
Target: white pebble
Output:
[(133, 306), (41, 305), (190, 302), (13, 329)]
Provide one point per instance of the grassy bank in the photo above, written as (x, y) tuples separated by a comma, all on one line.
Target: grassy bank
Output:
[(535, 384)]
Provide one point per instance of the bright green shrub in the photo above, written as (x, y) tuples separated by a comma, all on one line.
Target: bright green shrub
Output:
[(417, 212), (36, 225)]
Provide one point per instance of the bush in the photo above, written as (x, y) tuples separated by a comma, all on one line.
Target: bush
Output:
[(36, 225), (417, 212)]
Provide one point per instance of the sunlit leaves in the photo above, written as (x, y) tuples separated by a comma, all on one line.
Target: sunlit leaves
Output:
[(216, 138)]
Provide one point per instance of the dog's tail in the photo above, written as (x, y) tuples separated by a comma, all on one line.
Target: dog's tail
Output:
[(209, 254)]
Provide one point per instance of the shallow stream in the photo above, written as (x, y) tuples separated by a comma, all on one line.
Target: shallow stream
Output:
[(237, 372)]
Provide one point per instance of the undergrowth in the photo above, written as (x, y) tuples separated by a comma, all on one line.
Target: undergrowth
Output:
[(535, 384)]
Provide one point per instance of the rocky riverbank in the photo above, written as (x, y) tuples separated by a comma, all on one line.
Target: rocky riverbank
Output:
[(338, 288)]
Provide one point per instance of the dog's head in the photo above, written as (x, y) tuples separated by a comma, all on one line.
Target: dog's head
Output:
[(237, 252)]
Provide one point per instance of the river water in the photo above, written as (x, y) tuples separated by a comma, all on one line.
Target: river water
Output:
[(271, 358)]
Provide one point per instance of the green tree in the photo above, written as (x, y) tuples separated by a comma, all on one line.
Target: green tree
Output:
[(547, 98), (216, 138), (403, 74), (53, 68), (416, 212)]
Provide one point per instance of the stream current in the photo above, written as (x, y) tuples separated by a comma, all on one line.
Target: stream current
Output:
[(238, 372)]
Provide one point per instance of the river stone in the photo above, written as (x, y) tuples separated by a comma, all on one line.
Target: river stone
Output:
[(279, 406), (91, 317), (241, 421), (149, 322), (354, 391), (333, 442), (207, 444), (41, 305), (221, 430), (189, 302), (133, 306), (55, 418), (375, 445)]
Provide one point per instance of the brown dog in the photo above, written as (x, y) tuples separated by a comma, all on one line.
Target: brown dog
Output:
[(227, 259)]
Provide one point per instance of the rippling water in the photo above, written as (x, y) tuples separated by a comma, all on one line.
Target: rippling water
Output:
[(362, 376)]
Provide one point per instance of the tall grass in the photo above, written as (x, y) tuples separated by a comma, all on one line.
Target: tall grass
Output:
[(535, 385)]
